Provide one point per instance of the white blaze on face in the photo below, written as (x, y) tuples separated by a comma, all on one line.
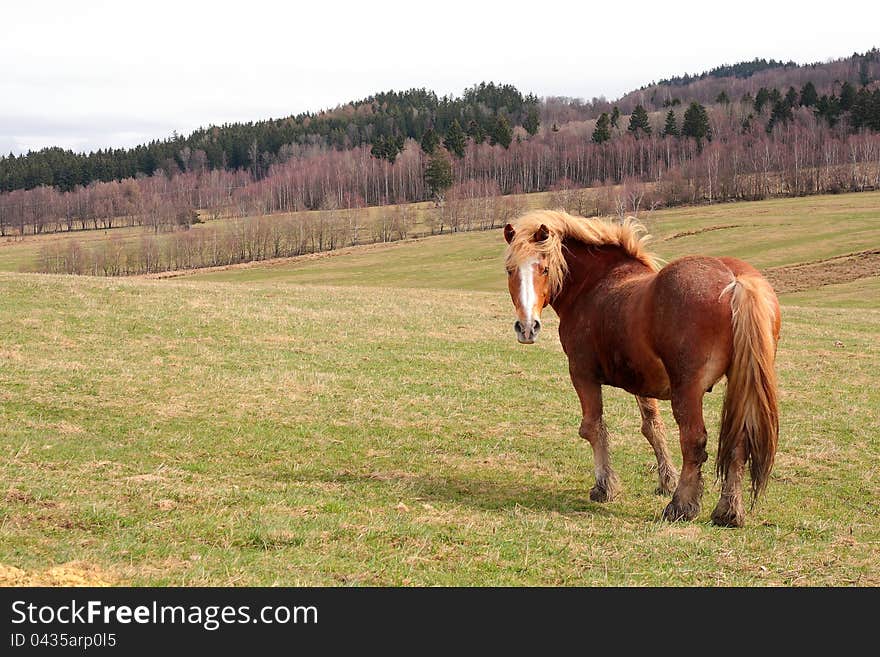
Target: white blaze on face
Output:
[(527, 296)]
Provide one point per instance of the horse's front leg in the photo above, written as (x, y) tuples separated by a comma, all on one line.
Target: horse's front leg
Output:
[(593, 429), (655, 432), (687, 407)]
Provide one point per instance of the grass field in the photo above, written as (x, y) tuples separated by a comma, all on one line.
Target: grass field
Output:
[(368, 418)]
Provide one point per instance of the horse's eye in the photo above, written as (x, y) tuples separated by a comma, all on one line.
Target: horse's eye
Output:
[(546, 271)]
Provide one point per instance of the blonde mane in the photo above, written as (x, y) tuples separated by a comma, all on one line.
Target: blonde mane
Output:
[(629, 235)]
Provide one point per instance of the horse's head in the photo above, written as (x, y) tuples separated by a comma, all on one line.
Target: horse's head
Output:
[(529, 284)]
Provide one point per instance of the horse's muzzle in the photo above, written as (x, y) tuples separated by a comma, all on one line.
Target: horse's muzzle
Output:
[(527, 332)]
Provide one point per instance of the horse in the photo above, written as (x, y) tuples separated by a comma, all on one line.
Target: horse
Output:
[(667, 333)]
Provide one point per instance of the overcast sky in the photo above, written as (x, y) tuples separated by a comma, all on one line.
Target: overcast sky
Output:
[(88, 74)]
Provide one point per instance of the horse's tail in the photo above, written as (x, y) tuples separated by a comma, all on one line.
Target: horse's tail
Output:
[(750, 417)]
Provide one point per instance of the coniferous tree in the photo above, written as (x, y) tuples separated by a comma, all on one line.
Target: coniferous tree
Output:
[(865, 110), (847, 96), (387, 148), (532, 121), (696, 124), (602, 131), (438, 174), (615, 116), (809, 97), (828, 107), (429, 141), (476, 132), (455, 140), (781, 113), (501, 132), (761, 99), (864, 76), (722, 98), (638, 122), (671, 127)]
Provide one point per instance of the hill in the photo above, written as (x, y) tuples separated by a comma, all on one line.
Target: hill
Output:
[(747, 131), (383, 121), (747, 78)]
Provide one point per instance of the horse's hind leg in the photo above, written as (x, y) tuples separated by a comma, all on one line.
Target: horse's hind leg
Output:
[(729, 512), (687, 407), (593, 429), (655, 432)]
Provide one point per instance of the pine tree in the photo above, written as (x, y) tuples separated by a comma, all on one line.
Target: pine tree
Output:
[(828, 107), (722, 98), (455, 140), (532, 121), (438, 174), (696, 124), (809, 97), (864, 76), (671, 127), (847, 96), (501, 132), (602, 132), (615, 116), (781, 113), (638, 122), (430, 141), (475, 131), (761, 99), (387, 148)]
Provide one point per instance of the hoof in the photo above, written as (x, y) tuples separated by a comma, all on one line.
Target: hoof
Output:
[(728, 515), (606, 488), (599, 494), (675, 511)]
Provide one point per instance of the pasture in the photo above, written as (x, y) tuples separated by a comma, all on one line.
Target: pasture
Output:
[(367, 418)]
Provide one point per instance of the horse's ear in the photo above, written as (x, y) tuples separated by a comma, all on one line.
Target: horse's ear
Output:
[(509, 232), (541, 234)]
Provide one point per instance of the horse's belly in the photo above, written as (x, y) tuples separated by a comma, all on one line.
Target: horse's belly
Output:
[(647, 379)]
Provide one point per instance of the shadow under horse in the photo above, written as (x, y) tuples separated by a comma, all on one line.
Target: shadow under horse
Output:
[(669, 333)]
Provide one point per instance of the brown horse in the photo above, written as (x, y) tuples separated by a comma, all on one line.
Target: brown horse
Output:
[(667, 333)]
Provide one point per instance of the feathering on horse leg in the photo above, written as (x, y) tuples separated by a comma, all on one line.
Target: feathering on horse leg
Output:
[(593, 429), (687, 407), (654, 430), (730, 511), (607, 486)]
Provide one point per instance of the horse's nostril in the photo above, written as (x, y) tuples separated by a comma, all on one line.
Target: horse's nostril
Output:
[(537, 326), (517, 326)]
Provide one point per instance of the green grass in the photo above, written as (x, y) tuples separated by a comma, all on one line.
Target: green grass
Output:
[(862, 293), (369, 419), (769, 234)]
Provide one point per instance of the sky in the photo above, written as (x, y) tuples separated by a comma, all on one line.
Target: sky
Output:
[(93, 74)]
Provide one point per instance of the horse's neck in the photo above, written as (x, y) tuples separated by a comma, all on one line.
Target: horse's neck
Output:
[(588, 267)]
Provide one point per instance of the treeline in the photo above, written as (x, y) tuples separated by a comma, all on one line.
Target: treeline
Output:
[(236, 241), (486, 111), (741, 70), (803, 148), (493, 136), (858, 70)]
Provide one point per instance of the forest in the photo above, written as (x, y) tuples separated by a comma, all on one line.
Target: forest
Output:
[(745, 131)]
